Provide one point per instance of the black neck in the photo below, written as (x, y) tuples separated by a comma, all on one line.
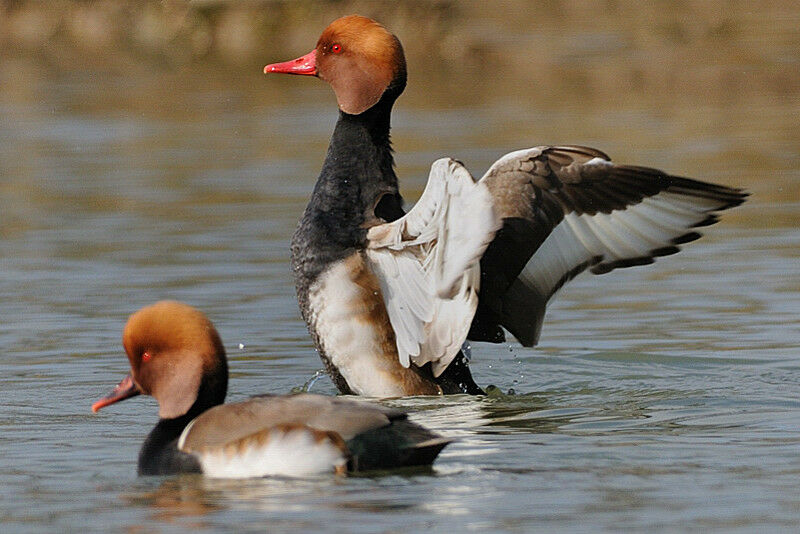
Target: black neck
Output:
[(359, 165), (356, 188), (159, 454), (365, 139)]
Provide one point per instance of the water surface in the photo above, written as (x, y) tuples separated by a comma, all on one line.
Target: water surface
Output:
[(660, 398)]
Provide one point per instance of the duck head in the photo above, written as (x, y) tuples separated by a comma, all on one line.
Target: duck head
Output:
[(359, 58), (176, 356)]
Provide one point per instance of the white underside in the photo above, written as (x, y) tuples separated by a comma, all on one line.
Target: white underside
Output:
[(293, 453), (352, 343)]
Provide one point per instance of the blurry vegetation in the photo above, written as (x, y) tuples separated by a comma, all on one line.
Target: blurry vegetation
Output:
[(177, 32), (693, 68), (585, 48)]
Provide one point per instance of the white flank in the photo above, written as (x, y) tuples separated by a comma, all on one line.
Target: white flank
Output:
[(293, 453), (348, 338)]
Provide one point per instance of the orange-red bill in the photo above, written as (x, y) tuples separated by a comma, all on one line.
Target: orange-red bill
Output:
[(124, 390), (304, 65)]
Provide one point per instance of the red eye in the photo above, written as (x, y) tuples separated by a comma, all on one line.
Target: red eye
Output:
[(146, 357), (336, 48)]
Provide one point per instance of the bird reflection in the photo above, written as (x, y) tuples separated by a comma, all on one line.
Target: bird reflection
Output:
[(177, 499)]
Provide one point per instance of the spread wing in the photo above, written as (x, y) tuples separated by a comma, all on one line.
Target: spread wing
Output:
[(427, 265), (568, 208)]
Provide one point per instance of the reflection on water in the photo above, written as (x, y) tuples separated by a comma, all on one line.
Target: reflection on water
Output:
[(662, 397), (178, 499)]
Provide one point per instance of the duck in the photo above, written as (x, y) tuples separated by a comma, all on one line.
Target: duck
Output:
[(176, 356), (392, 299)]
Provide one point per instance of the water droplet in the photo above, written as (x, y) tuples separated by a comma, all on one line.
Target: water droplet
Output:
[(313, 380), (466, 349)]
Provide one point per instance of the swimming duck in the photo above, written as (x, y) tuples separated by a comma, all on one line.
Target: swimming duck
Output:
[(176, 355), (390, 297)]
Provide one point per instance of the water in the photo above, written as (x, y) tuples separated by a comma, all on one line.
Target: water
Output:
[(660, 398)]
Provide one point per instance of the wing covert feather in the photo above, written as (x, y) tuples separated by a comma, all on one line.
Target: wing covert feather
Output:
[(427, 264), (569, 208), (228, 423)]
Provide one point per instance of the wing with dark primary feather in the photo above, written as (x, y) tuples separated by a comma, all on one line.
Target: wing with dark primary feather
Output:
[(566, 209)]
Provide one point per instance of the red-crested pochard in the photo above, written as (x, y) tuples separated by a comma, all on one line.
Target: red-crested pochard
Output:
[(176, 356), (390, 297)]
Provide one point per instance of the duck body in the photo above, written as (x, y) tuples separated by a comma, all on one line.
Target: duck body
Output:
[(391, 297), (279, 436), (339, 295), (170, 345)]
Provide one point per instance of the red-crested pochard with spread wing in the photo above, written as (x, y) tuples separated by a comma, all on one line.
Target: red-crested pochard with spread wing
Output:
[(176, 355), (390, 297)]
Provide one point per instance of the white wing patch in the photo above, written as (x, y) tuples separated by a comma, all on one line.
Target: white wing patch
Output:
[(427, 264), (622, 235), (293, 451)]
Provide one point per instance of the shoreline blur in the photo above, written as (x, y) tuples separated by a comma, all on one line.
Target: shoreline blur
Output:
[(713, 51), (563, 71)]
